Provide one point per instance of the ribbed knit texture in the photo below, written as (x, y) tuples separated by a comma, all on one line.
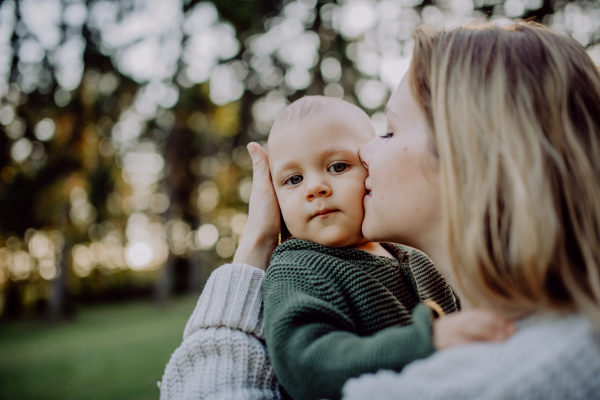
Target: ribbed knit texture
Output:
[(430, 284), (335, 313), (551, 357), (222, 356)]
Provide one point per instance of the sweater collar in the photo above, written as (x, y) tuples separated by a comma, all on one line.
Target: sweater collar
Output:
[(347, 253)]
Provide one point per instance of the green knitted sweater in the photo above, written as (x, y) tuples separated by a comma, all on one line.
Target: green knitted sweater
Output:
[(336, 313)]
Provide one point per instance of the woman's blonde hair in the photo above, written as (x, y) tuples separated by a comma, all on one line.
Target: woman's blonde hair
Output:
[(515, 112)]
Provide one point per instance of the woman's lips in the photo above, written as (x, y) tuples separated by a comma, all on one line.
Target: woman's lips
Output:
[(368, 191)]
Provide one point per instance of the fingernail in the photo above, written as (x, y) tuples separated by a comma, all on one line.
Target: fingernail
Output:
[(251, 149)]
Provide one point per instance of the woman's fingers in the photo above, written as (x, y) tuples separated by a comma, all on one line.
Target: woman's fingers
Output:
[(262, 230), (484, 325), (260, 163), (263, 201), (471, 326), (262, 186)]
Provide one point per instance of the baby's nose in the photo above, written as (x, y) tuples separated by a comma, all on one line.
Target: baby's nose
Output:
[(317, 189)]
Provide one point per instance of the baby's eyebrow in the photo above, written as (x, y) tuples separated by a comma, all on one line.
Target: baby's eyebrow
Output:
[(327, 152), (287, 165), (338, 149)]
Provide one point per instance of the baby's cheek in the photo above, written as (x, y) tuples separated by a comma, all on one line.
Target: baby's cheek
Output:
[(293, 220), (356, 195)]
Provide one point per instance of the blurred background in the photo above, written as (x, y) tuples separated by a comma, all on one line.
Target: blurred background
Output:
[(124, 177)]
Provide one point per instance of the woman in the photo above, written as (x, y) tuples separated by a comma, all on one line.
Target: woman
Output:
[(496, 132)]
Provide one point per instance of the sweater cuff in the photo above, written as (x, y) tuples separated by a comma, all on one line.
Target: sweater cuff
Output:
[(232, 298), (422, 318)]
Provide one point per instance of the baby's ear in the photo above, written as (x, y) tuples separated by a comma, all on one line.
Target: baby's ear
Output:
[(284, 234)]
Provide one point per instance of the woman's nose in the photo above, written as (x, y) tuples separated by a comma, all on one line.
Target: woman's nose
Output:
[(317, 188), (365, 152)]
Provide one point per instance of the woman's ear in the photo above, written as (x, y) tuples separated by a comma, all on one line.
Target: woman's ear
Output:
[(284, 234)]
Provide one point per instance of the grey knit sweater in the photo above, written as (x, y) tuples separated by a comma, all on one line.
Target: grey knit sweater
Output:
[(222, 356), (551, 357)]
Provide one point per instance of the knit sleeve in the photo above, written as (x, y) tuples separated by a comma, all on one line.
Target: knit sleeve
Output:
[(551, 357), (222, 356), (314, 347)]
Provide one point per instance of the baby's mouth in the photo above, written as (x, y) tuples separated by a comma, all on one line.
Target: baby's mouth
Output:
[(324, 211)]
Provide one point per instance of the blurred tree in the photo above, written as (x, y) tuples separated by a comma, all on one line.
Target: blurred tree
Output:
[(123, 169)]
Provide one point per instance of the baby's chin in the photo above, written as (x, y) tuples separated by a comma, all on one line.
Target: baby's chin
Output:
[(335, 239)]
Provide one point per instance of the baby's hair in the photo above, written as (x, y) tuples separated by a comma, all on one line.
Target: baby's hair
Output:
[(314, 106)]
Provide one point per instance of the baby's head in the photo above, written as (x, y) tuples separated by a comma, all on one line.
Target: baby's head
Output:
[(317, 174)]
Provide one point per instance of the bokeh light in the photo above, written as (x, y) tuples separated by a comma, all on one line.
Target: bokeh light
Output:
[(48, 270), (21, 149), (209, 196), (225, 247), (45, 129), (207, 236), (138, 255)]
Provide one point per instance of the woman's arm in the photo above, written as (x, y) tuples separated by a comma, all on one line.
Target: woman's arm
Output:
[(552, 357), (223, 354)]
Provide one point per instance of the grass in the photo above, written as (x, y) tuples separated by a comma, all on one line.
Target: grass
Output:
[(114, 352)]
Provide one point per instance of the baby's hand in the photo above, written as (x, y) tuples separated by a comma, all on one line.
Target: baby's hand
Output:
[(471, 326)]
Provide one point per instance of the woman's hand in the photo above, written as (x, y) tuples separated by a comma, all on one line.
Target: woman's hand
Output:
[(470, 326), (261, 235)]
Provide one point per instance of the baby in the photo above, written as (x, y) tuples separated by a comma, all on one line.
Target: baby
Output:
[(337, 305)]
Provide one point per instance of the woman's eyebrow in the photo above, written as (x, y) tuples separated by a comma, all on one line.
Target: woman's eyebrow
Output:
[(388, 110)]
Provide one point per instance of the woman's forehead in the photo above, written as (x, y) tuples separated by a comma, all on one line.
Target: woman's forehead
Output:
[(401, 100)]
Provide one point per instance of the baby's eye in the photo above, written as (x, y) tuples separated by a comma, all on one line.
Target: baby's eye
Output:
[(293, 180), (387, 135), (338, 168)]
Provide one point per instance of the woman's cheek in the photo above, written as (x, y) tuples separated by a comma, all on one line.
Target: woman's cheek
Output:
[(369, 225), (370, 228), (376, 206)]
